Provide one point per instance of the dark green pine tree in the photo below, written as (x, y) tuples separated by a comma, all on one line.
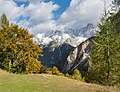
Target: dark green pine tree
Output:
[(4, 20), (106, 54)]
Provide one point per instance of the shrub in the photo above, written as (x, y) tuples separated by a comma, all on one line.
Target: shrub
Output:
[(55, 71), (75, 75)]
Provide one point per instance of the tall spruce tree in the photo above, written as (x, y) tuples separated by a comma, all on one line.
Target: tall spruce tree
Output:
[(106, 54), (4, 20)]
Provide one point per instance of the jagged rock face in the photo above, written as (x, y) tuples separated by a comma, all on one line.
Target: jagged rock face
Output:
[(56, 55), (66, 49), (67, 57), (70, 60), (78, 58)]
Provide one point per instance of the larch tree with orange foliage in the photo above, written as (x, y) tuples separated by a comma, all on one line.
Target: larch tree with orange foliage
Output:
[(18, 52)]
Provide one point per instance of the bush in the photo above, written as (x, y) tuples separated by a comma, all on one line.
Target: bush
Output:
[(45, 70), (55, 71), (75, 75)]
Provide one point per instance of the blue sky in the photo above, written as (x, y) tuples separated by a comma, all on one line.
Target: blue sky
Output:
[(43, 15), (26, 3), (63, 5)]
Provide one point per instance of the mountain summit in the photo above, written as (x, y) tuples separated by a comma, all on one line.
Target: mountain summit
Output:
[(72, 36)]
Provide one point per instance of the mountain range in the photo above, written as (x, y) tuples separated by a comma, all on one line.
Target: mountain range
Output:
[(67, 49), (70, 36)]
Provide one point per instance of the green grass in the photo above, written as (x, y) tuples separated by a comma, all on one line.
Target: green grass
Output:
[(46, 83)]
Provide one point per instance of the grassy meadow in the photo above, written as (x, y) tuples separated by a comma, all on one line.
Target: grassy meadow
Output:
[(46, 83)]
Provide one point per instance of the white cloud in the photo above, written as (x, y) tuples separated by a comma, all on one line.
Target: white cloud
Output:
[(32, 1), (82, 12), (40, 12), (40, 16), (78, 14), (10, 9), (43, 27), (24, 23)]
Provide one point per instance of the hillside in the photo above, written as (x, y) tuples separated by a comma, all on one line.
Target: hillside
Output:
[(46, 83)]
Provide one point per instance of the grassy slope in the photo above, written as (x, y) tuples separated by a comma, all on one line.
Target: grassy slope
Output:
[(45, 83)]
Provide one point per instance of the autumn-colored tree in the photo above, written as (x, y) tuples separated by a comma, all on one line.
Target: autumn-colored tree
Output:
[(18, 53)]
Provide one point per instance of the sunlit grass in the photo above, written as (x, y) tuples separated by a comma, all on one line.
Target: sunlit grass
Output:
[(46, 83)]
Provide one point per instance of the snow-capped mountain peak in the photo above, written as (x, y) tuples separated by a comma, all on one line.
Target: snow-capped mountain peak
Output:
[(70, 36)]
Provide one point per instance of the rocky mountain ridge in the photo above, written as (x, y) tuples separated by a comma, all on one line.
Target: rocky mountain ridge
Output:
[(68, 49), (73, 36)]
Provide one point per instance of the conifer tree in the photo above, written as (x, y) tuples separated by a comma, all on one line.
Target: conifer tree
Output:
[(4, 20), (106, 54)]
